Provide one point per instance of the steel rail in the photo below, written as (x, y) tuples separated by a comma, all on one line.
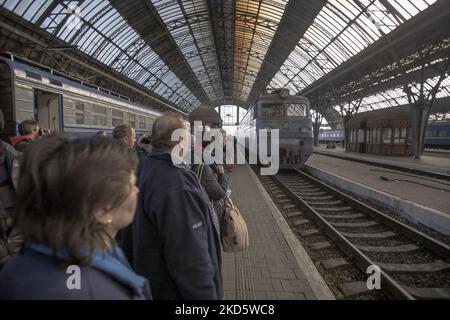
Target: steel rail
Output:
[(391, 286)]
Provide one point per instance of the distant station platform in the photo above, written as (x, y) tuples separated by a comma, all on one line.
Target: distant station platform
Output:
[(275, 266), (420, 198), (433, 162)]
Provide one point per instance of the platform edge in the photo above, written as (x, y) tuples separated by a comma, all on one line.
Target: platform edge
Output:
[(315, 280), (414, 212)]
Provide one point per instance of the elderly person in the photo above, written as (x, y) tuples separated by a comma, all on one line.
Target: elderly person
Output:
[(29, 132), (175, 243), (73, 197)]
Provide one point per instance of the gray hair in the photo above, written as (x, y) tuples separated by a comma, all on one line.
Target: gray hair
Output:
[(27, 126)]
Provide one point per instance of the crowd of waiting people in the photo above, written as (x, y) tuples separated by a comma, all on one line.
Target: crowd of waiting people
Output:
[(134, 223)]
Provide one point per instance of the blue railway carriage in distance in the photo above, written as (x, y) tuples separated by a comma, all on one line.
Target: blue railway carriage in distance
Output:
[(290, 114), (62, 103), (333, 136), (437, 135)]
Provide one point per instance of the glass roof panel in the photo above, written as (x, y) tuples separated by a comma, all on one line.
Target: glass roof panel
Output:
[(342, 29), (189, 25), (255, 25), (97, 29), (396, 97)]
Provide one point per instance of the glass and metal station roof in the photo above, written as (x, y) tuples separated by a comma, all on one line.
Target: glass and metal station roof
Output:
[(217, 52), (342, 29)]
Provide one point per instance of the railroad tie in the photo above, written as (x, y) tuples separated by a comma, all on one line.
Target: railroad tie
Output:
[(405, 248), (314, 203), (311, 193), (351, 289), (354, 224), (300, 222), (333, 209), (280, 195), (379, 235), (342, 216), (306, 198), (293, 214), (429, 293), (304, 190), (434, 266), (289, 206), (320, 245), (308, 232), (335, 263)]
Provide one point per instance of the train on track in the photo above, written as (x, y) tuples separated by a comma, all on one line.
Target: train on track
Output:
[(437, 135), (290, 114), (331, 136), (62, 103)]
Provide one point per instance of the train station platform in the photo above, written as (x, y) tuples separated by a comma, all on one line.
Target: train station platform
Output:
[(438, 163), (275, 266), (419, 198)]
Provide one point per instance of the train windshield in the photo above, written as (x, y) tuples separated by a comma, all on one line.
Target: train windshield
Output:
[(296, 110), (272, 110)]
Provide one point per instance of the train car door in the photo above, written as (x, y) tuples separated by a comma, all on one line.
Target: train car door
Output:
[(47, 110)]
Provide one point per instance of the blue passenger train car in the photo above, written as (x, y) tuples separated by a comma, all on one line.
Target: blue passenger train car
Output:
[(437, 135), (336, 136), (62, 103), (290, 114)]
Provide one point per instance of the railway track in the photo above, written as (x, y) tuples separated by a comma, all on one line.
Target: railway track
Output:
[(345, 233), (424, 173)]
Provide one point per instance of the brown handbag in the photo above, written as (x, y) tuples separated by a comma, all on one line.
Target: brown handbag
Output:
[(234, 229)]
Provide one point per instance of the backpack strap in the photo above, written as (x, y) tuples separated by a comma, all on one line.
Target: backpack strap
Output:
[(199, 172)]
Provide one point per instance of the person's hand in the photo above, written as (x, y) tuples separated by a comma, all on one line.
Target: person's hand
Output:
[(220, 169)]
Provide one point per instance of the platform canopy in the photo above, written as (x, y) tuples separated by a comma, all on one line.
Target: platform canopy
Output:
[(189, 53)]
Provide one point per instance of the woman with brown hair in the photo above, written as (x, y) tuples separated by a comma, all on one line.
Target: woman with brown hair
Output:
[(73, 197)]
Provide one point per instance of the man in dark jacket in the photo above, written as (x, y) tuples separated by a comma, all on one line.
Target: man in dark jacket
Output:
[(29, 132), (174, 243)]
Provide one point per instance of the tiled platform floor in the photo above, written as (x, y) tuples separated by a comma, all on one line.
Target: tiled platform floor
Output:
[(268, 269)]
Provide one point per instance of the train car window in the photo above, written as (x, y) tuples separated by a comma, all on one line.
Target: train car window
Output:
[(86, 84), (400, 135), (117, 118), (271, 110), (79, 113), (387, 134), (55, 82), (361, 133), (132, 120), (296, 110), (442, 133), (33, 75), (99, 115), (141, 122)]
